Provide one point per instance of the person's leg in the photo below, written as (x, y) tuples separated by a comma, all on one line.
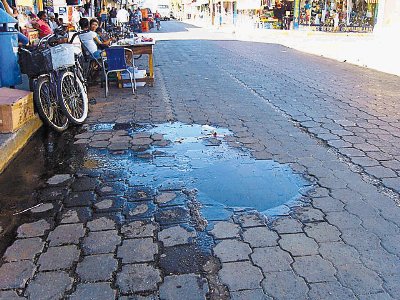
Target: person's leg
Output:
[(22, 39), (97, 54)]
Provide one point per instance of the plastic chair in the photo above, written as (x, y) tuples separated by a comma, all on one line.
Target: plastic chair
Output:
[(115, 61)]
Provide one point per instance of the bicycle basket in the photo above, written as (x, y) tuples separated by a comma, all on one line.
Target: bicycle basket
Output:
[(35, 63), (62, 56)]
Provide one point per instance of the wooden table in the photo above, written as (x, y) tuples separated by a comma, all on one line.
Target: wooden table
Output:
[(143, 49)]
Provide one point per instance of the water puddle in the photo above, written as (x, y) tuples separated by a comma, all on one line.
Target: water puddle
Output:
[(199, 157)]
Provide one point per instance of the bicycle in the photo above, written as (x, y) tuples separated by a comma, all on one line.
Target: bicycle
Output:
[(57, 81)]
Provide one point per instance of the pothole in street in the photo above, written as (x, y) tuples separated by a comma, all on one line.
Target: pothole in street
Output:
[(176, 156)]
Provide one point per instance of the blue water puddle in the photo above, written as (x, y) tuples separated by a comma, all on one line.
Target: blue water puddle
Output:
[(199, 158)]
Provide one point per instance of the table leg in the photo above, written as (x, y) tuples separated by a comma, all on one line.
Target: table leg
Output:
[(151, 69)]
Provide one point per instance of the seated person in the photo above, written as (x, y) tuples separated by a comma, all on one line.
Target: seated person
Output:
[(103, 36), (90, 39), (40, 23)]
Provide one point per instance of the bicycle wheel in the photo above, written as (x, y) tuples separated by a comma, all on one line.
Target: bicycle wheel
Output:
[(49, 110), (73, 97)]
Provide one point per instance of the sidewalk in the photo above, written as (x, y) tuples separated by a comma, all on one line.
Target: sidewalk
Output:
[(374, 51)]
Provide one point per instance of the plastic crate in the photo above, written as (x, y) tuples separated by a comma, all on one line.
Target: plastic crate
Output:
[(62, 56)]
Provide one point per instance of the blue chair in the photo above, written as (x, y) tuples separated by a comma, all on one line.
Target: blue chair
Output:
[(115, 61)]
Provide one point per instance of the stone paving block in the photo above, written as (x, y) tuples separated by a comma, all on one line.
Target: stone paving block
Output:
[(257, 294), (381, 261), (343, 220), (287, 225), (101, 224), (309, 214), (165, 197), (376, 296), (137, 250), (328, 204), (10, 295), (339, 253), (93, 291), (330, 290), (298, 244), (15, 274), (392, 243), (314, 268), (322, 232), (361, 239), (380, 226), (97, 267), (250, 276), (138, 229), (294, 287), (34, 229), (359, 279), (138, 278), (250, 220), (84, 184), (77, 199), (44, 207), (232, 250), (77, 215), (175, 235), (223, 230), (66, 234), (24, 249), (186, 286), (58, 179), (98, 242), (56, 258), (391, 284), (40, 287), (272, 259), (260, 237)]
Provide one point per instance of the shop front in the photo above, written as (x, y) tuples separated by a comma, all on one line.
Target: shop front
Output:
[(277, 14), (338, 15)]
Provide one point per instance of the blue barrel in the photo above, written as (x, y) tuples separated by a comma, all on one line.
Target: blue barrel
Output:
[(10, 74)]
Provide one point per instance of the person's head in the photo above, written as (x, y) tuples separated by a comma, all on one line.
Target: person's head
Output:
[(84, 23), (15, 10), (42, 15), (56, 16), (61, 20), (52, 17), (94, 24)]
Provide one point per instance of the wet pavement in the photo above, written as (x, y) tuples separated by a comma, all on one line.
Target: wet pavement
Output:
[(221, 182)]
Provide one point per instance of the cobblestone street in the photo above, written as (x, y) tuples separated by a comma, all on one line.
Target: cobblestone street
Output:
[(100, 233)]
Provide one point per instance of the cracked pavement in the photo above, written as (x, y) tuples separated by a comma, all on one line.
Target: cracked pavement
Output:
[(97, 235)]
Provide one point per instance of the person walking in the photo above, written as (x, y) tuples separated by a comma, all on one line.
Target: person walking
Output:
[(76, 16), (113, 16), (122, 16)]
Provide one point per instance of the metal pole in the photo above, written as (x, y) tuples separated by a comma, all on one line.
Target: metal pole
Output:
[(92, 12)]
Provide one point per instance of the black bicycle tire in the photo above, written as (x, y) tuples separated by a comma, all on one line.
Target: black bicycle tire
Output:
[(66, 109), (39, 107)]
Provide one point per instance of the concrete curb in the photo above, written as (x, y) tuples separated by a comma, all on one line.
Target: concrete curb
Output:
[(12, 143)]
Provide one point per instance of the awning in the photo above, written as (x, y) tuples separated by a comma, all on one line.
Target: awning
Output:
[(28, 3), (200, 2), (248, 4)]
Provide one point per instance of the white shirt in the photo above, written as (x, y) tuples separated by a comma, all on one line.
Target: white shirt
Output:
[(123, 16), (87, 39), (76, 16)]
